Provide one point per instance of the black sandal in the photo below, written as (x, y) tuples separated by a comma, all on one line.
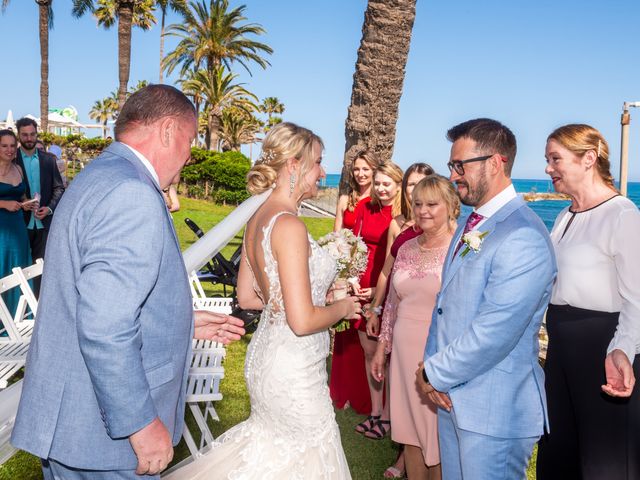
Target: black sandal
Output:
[(367, 424), (383, 431)]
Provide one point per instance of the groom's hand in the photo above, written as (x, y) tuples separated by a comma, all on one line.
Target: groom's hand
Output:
[(152, 445), (217, 327), (441, 399)]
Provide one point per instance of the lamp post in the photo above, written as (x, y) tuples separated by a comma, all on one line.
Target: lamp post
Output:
[(625, 120)]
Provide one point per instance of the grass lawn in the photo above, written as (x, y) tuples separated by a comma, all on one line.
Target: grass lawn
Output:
[(367, 458)]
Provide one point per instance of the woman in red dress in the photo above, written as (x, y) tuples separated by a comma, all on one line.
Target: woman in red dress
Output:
[(348, 383), (360, 181), (372, 224)]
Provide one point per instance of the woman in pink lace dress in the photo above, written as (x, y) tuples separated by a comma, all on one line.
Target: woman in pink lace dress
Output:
[(415, 281)]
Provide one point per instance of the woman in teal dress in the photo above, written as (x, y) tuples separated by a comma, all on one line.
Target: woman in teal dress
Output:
[(14, 241)]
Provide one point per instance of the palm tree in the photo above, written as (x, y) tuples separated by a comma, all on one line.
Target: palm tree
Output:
[(45, 22), (219, 92), (128, 13), (138, 86), (271, 106), (178, 6), (238, 128), (190, 89), (103, 111), (378, 79), (213, 35)]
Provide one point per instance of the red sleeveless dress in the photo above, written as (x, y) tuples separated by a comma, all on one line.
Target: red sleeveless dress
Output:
[(348, 381), (372, 224)]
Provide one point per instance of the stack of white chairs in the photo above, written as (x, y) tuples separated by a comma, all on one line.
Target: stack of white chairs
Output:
[(205, 373), (18, 327)]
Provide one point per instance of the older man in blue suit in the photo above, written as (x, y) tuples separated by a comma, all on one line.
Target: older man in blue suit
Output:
[(103, 393), (481, 360)]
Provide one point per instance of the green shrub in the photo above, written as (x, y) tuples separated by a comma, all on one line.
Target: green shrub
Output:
[(222, 176), (195, 191), (228, 197)]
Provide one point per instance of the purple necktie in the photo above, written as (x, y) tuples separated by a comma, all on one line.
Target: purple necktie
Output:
[(473, 220)]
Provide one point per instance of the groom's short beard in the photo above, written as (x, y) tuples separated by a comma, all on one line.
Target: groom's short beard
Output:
[(476, 193)]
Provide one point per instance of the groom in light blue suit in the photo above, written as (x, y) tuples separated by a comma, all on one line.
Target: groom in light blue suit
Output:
[(104, 385), (481, 359)]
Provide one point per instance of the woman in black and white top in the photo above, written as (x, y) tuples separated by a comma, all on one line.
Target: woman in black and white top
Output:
[(593, 319)]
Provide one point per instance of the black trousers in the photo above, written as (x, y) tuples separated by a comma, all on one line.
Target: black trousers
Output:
[(38, 242), (593, 436)]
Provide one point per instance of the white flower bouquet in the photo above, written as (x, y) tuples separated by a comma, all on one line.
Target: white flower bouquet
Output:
[(350, 253)]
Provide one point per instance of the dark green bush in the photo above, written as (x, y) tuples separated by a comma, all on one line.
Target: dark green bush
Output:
[(222, 176)]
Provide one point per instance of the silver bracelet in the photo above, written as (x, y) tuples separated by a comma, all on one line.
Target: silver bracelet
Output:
[(377, 310)]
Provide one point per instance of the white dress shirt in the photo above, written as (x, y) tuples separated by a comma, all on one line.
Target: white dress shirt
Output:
[(496, 203), (599, 265)]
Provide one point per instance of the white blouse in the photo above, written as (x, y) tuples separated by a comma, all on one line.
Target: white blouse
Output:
[(598, 256)]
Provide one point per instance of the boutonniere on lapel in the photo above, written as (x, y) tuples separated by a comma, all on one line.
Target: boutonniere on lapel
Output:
[(472, 242)]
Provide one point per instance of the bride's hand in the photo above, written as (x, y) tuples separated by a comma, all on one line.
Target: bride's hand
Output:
[(354, 310)]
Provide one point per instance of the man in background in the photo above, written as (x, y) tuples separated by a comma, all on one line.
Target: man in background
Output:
[(43, 180)]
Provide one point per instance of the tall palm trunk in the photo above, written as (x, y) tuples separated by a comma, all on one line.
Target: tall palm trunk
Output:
[(43, 10), (162, 43), (378, 79), (125, 15), (214, 129)]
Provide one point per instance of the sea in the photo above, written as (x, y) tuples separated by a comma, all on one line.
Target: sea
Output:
[(547, 210)]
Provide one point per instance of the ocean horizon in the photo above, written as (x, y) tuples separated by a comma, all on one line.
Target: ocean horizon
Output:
[(547, 210)]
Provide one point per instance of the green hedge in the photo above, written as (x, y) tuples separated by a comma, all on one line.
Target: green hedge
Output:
[(218, 176)]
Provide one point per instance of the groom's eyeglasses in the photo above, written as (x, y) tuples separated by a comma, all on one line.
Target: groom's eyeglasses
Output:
[(458, 165)]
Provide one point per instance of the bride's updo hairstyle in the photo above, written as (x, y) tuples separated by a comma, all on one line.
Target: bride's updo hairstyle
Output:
[(284, 141)]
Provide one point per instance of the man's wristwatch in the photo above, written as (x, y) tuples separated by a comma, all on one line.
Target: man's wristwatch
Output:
[(424, 376)]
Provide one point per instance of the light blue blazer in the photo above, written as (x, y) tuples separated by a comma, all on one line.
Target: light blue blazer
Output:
[(114, 325), (483, 340)]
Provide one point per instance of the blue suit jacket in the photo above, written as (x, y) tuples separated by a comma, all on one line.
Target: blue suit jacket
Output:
[(483, 340), (114, 323)]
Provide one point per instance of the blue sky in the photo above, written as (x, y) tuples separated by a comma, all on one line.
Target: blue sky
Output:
[(532, 65)]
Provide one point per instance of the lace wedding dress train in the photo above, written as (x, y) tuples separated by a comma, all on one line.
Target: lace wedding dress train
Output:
[(291, 433)]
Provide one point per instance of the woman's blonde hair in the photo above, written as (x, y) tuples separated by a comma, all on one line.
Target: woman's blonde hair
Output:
[(373, 160), (437, 187), (284, 141), (393, 171), (579, 139)]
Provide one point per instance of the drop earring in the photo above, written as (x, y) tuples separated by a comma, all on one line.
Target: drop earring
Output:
[(292, 183)]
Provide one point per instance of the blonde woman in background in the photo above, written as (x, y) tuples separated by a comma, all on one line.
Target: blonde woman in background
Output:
[(372, 224), (292, 431)]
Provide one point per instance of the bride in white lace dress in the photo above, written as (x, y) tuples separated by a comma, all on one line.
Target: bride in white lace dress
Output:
[(291, 432)]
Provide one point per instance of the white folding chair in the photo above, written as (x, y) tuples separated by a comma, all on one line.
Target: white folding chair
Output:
[(18, 326), (205, 373)]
